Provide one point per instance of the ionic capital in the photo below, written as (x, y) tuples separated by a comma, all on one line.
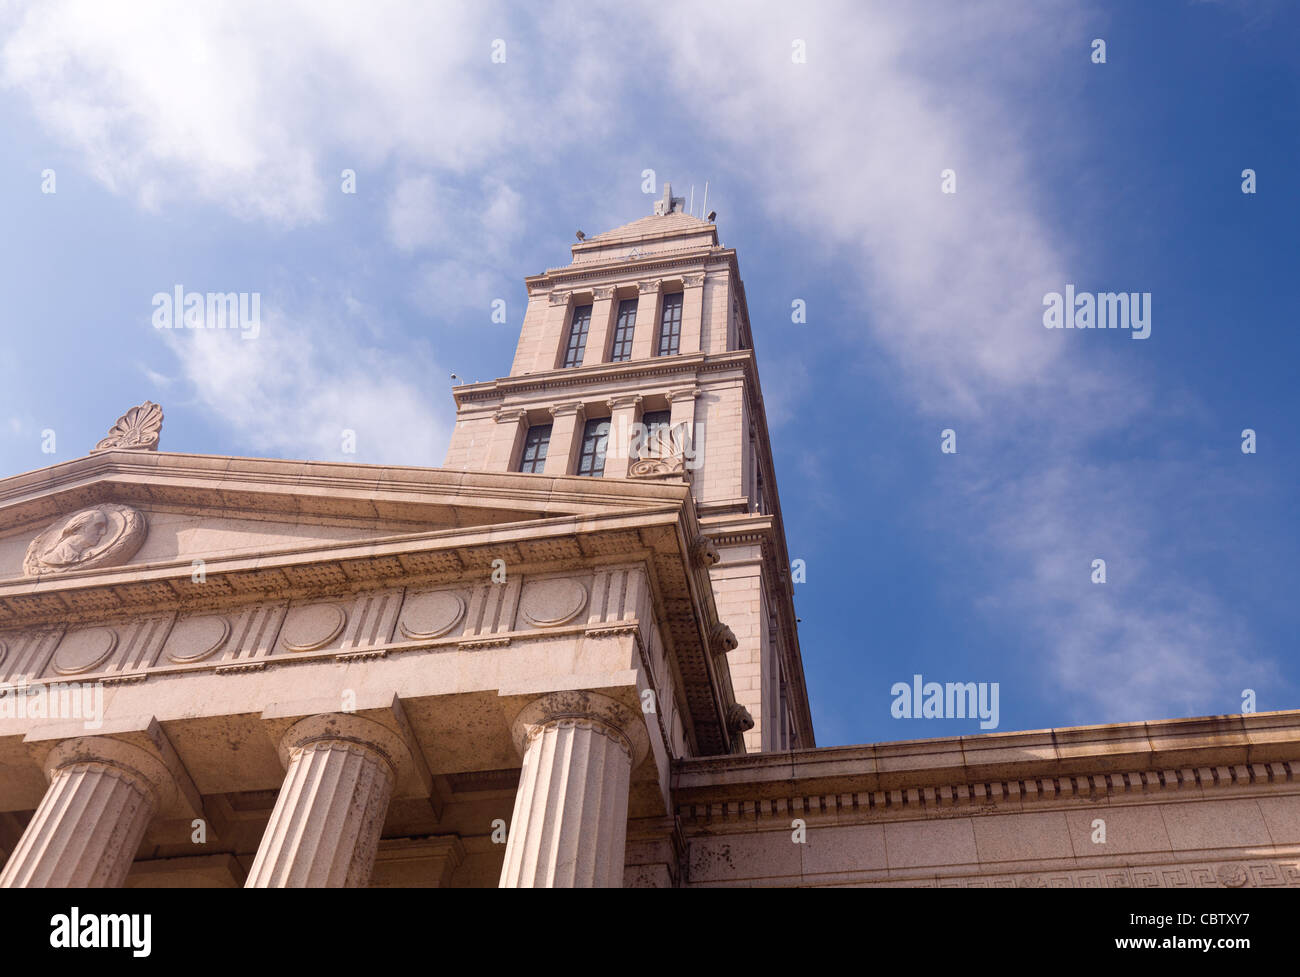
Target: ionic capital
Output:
[(626, 400), (576, 408)]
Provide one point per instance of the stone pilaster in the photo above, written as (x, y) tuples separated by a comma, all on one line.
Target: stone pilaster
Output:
[(604, 303), (567, 421), (569, 827), (646, 338), (507, 437), (624, 412), (85, 833), (325, 828), (692, 312)]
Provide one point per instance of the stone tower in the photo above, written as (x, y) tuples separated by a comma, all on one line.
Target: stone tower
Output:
[(636, 360)]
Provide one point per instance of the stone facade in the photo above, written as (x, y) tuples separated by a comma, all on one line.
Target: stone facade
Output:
[(241, 672)]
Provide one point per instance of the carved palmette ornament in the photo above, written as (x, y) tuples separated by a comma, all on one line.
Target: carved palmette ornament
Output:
[(102, 536), (663, 455), (138, 429)]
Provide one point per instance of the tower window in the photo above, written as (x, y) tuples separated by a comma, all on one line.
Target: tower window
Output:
[(577, 344), (670, 325), (622, 349), (655, 419), (536, 442), (655, 422), (595, 438)]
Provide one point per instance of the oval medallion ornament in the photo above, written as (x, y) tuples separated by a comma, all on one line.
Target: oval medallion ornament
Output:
[(312, 627), (431, 615), (81, 651), (102, 536), (550, 603), (195, 638)]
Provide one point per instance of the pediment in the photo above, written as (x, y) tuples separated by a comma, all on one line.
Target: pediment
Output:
[(117, 510)]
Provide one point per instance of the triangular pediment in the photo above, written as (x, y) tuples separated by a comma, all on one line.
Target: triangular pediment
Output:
[(121, 509)]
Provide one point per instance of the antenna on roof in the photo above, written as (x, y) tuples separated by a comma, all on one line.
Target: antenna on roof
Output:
[(691, 210), (704, 207)]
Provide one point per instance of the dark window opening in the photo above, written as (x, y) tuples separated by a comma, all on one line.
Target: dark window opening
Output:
[(623, 330), (595, 438), (577, 344), (536, 442), (670, 325)]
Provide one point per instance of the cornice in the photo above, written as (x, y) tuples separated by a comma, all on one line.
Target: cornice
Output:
[(1132, 762), (618, 270), (684, 367)]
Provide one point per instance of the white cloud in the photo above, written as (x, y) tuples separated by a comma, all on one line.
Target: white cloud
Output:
[(305, 380)]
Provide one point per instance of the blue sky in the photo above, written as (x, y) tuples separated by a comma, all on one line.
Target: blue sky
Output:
[(205, 148)]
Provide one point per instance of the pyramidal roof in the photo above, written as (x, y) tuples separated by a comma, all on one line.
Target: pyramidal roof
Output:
[(669, 228), (655, 225)]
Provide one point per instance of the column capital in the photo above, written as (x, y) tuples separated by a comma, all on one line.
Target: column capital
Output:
[(559, 297), (683, 393), (602, 292), (345, 729), (587, 709), (624, 400), (577, 407), (648, 285), (509, 415), (149, 774), (693, 281)]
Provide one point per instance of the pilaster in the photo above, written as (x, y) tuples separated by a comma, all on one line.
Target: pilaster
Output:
[(624, 412), (647, 319), (566, 431), (692, 312)]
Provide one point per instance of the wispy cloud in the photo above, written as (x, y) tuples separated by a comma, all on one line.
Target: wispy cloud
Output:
[(309, 386)]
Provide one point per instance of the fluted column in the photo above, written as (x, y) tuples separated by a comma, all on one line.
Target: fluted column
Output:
[(569, 827), (325, 828), (85, 833)]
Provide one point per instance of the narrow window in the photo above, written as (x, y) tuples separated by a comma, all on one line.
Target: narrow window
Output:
[(595, 437), (536, 442), (654, 422), (670, 325), (577, 344), (626, 325)]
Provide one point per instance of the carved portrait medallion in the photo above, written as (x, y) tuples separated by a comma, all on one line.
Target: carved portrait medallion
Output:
[(102, 536)]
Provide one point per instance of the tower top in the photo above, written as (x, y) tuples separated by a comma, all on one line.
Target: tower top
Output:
[(669, 204)]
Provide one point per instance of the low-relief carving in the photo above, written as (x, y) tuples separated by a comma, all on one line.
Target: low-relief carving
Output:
[(431, 615), (102, 536), (550, 603), (663, 453), (312, 626), (196, 638), (81, 651)]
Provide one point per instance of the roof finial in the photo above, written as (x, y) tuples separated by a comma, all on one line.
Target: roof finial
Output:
[(135, 430), (670, 204)]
